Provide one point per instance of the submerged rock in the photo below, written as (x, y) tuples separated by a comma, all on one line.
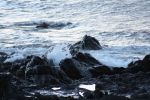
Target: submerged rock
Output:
[(87, 43), (53, 25), (140, 65), (43, 25)]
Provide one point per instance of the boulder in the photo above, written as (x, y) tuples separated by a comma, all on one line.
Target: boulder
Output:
[(140, 65), (72, 68), (35, 60), (20, 67), (38, 70), (118, 70), (100, 70), (87, 59), (79, 66), (87, 43), (45, 75), (4, 85)]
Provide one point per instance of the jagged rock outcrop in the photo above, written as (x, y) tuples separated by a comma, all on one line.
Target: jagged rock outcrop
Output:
[(87, 43), (140, 65), (81, 65)]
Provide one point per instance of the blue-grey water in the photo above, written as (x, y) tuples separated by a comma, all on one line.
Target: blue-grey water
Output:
[(121, 26)]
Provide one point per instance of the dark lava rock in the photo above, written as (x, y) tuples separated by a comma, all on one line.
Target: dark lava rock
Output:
[(98, 93), (37, 70), (113, 97), (118, 70), (88, 95), (142, 96), (87, 43), (43, 25), (86, 58), (3, 57), (35, 60), (72, 68), (4, 85), (46, 97), (100, 70), (140, 65), (53, 25), (20, 67), (45, 75), (9, 91), (78, 66)]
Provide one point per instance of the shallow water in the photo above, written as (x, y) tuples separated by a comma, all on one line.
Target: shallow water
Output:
[(121, 26)]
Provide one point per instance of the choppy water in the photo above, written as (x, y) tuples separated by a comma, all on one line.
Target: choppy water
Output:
[(121, 26)]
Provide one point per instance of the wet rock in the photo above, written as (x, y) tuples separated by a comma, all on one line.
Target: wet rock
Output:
[(78, 66), (37, 70), (35, 60), (43, 25), (45, 75), (8, 87), (118, 70), (99, 86), (86, 58), (140, 65), (142, 96), (87, 43), (88, 95), (113, 97), (53, 25), (100, 70), (53, 97), (46, 97), (72, 68), (4, 85), (98, 93), (3, 57), (20, 67)]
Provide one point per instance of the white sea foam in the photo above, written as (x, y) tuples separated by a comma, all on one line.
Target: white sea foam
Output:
[(114, 56), (59, 52), (56, 88), (58, 93), (88, 87)]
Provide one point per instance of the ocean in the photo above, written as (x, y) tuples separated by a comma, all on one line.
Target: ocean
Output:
[(121, 26)]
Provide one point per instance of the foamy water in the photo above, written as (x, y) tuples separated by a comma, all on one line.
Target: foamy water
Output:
[(121, 26)]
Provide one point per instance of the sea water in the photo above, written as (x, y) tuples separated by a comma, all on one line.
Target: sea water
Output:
[(121, 26)]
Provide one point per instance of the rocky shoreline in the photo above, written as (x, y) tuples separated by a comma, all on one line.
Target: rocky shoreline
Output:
[(34, 78)]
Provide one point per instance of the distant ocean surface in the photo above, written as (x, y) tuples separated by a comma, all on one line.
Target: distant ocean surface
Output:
[(121, 26)]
